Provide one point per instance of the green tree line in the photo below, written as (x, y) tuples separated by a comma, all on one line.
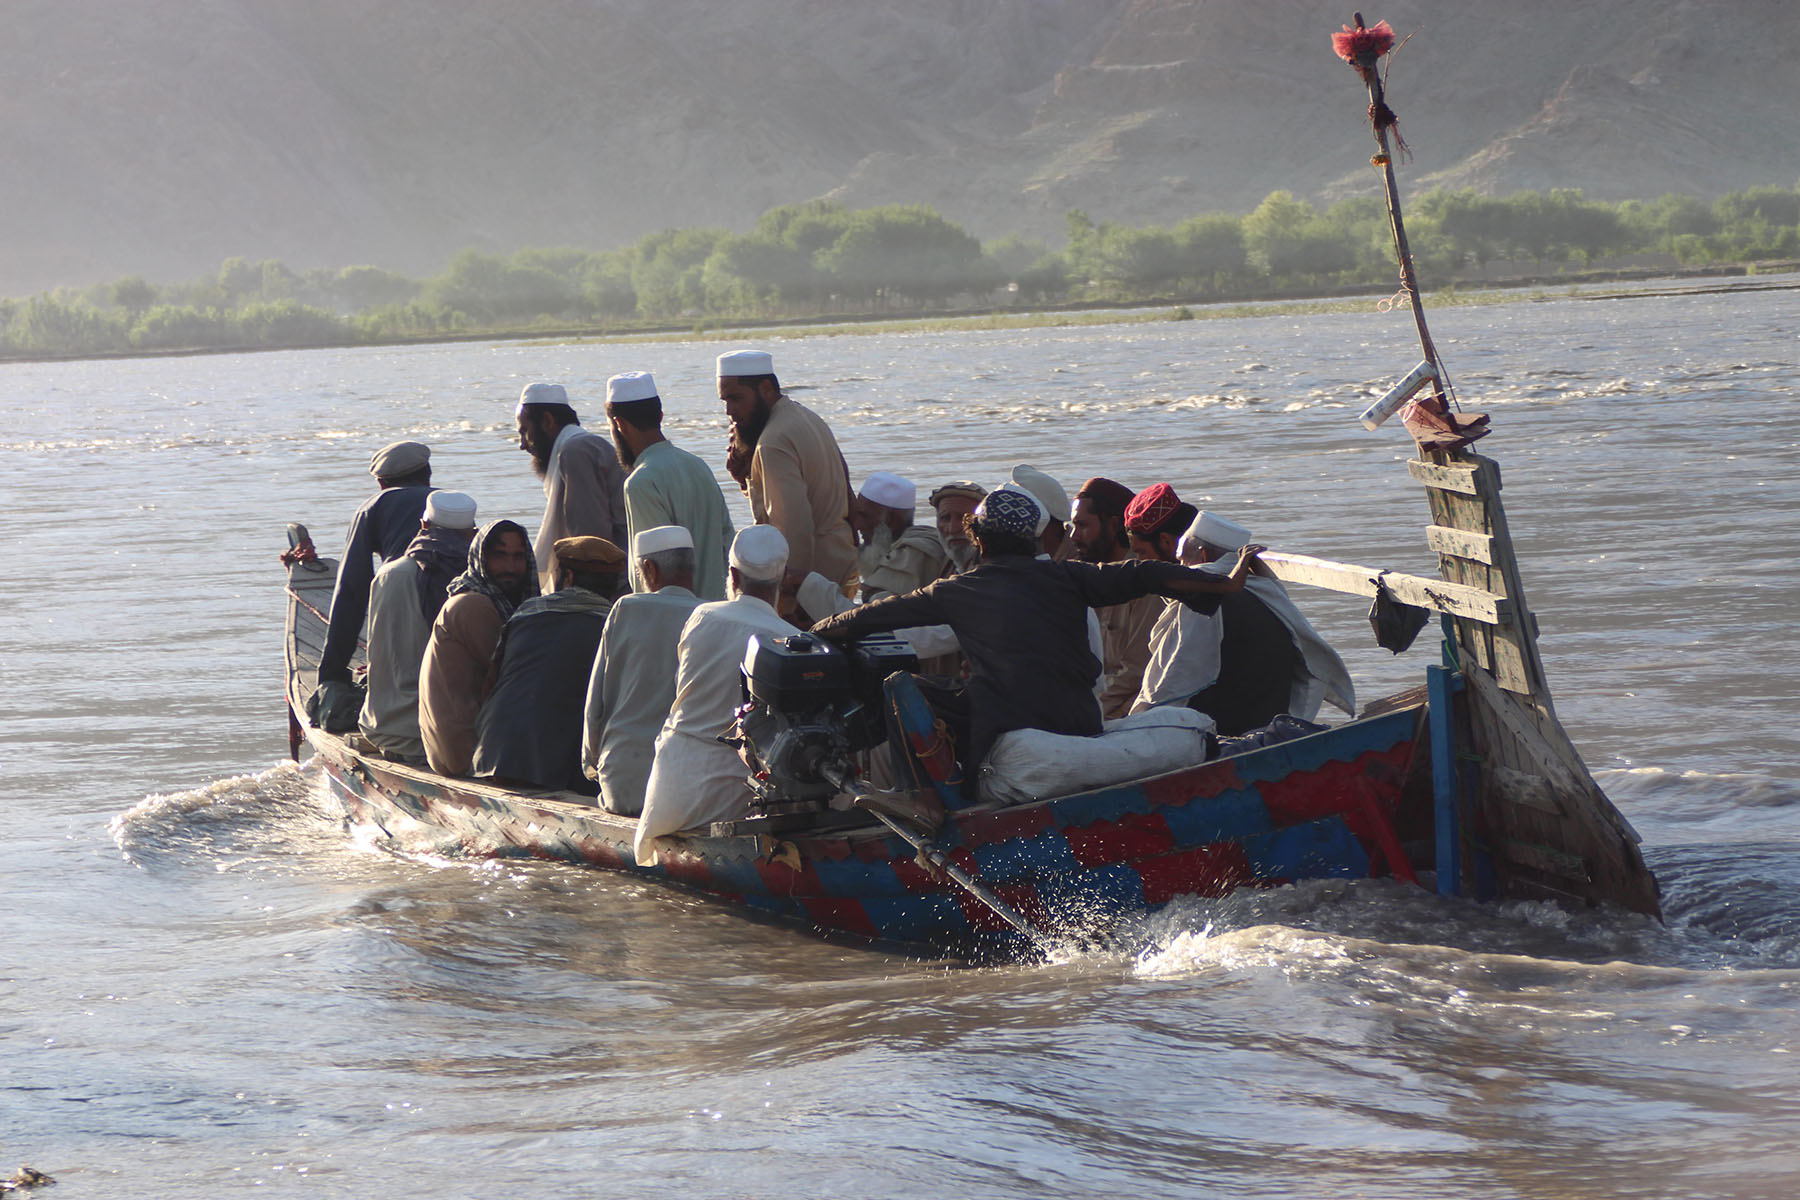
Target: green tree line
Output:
[(819, 258)]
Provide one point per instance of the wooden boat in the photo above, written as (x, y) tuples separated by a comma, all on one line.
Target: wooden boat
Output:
[(1471, 778)]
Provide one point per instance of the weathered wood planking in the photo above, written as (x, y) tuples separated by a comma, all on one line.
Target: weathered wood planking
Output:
[(1460, 543), (1468, 477), (1472, 603)]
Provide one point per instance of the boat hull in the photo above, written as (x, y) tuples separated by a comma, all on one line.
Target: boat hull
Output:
[(1331, 805)]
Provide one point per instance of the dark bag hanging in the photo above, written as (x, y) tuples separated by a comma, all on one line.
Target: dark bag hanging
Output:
[(1395, 624)]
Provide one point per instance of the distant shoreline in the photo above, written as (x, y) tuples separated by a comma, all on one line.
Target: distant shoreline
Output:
[(1093, 312)]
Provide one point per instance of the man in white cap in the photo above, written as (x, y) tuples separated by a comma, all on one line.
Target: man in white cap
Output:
[(695, 780), (1254, 658), (632, 686), (403, 602), (1055, 503), (380, 531), (897, 555), (796, 477), (584, 485), (666, 484)]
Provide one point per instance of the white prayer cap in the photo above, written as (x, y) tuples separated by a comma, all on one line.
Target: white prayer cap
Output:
[(450, 510), (542, 393), (889, 490), (746, 362), (663, 537), (1049, 493), (628, 387), (1215, 530), (1043, 513), (760, 553)]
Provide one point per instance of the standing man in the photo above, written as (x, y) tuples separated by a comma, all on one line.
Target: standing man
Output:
[(695, 780), (403, 602), (1097, 533), (528, 733), (796, 475), (453, 677), (666, 484), (381, 529), (632, 687), (584, 485)]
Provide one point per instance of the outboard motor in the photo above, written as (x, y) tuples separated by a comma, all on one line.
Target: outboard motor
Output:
[(809, 708)]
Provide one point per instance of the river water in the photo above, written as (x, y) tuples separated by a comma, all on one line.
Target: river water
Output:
[(209, 985)]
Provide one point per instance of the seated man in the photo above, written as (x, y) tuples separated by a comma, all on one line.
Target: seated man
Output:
[(896, 556), (632, 686), (502, 574), (528, 733), (952, 503), (1054, 500), (1022, 620), (1098, 535), (695, 779), (403, 602), (381, 529), (1242, 665)]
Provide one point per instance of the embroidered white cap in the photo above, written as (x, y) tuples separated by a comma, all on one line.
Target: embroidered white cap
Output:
[(660, 538), (889, 490), (1049, 493), (1215, 530), (760, 553), (450, 510), (628, 387), (746, 362), (542, 393)]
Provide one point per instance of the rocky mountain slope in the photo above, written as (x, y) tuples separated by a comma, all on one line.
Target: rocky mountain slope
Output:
[(159, 139)]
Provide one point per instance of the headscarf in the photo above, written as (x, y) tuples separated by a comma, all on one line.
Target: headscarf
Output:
[(439, 552), (476, 579)]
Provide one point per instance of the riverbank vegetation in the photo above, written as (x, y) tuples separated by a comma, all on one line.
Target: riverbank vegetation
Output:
[(819, 261)]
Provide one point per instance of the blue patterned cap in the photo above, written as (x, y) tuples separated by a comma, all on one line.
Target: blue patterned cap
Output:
[(1006, 510)]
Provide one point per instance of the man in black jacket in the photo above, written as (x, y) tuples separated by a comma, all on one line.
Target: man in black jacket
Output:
[(1022, 621)]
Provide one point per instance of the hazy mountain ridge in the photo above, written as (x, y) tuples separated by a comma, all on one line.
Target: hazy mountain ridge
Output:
[(159, 140)]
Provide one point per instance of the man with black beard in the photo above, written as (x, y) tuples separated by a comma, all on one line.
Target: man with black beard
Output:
[(784, 455), (1097, 532), (453, 677), (584, 485), (666, 484)]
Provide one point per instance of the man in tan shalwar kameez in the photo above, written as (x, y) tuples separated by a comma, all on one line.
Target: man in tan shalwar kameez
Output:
[(795, 476)]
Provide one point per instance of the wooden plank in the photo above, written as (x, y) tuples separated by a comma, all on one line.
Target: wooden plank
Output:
[(1546, 859), (1456, 599), (1452, 478), (1550, 761), (1523, 787), (1460, 543)]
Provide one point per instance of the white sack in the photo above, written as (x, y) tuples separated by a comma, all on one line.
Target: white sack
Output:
[(1030, 764)]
